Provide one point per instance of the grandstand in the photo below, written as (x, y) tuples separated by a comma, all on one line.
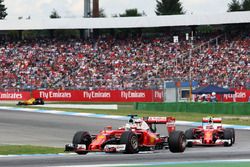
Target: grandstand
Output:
[(141, 61)]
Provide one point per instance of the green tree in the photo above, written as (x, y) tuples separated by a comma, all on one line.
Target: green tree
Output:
[(127, 32), (3, 13), (206, 29), (102, 13), (169, 7), (234, 6), (54, 14), (131, 13), (246, 5)]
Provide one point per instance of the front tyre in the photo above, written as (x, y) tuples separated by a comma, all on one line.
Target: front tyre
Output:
[(177, 142), (131, 141), (189, 135), (82, 137)]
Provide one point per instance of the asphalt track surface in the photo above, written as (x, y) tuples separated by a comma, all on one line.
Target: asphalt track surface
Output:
[(17, 127)]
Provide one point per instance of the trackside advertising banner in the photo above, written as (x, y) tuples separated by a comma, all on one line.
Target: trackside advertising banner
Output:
[(239, 96), (101, 95), (14, 95), (110, 95)]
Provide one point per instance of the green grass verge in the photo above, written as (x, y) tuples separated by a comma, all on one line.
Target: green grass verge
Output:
[(222, 164), (123, 109), (128, 108), (27, 149)]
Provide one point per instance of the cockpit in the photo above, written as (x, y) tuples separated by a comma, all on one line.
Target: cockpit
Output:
[(136, 123)]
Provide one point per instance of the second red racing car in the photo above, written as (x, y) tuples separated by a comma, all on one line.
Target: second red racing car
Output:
[(211, 133)]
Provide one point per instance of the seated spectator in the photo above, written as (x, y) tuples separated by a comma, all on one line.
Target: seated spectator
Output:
[(204, 98), (213, 97), (110, 63)]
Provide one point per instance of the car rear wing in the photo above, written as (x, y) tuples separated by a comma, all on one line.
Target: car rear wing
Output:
[(214, 120), (169, 121), (159, 120)]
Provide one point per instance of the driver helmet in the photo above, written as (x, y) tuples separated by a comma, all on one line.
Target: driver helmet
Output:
[(127, 127), (209, 123), (210, 120), (138, 122), (131, 121)]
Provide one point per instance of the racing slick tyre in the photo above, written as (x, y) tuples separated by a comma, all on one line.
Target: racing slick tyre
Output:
[(131, 141), (228, 135), (233, 134), (40, 101), (177, 141), (189, 135), (82, 137)]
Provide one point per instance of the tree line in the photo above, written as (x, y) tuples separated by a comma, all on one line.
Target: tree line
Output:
[(163, 7)]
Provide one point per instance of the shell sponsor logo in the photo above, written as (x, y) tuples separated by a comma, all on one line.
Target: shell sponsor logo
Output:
[(151, 139), (101, 137), (208, 135)]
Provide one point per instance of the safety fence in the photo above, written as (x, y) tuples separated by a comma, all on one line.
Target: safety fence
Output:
[(209, 108)]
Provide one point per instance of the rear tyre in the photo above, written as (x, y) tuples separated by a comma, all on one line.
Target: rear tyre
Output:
[(131, 141), (40, 101), (233, 134), (177, 141), (189, 135), (82, 137), (228, 135)]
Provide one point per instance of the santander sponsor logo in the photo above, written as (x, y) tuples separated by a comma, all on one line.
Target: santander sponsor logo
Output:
[(238, 95), (132, 94), (95, 95), (11, 95), (227, 96)]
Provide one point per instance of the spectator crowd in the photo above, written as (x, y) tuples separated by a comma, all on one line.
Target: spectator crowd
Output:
[(132, 63)]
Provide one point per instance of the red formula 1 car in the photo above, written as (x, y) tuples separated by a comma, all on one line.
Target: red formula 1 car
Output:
[(137, 135), (210, 133)]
